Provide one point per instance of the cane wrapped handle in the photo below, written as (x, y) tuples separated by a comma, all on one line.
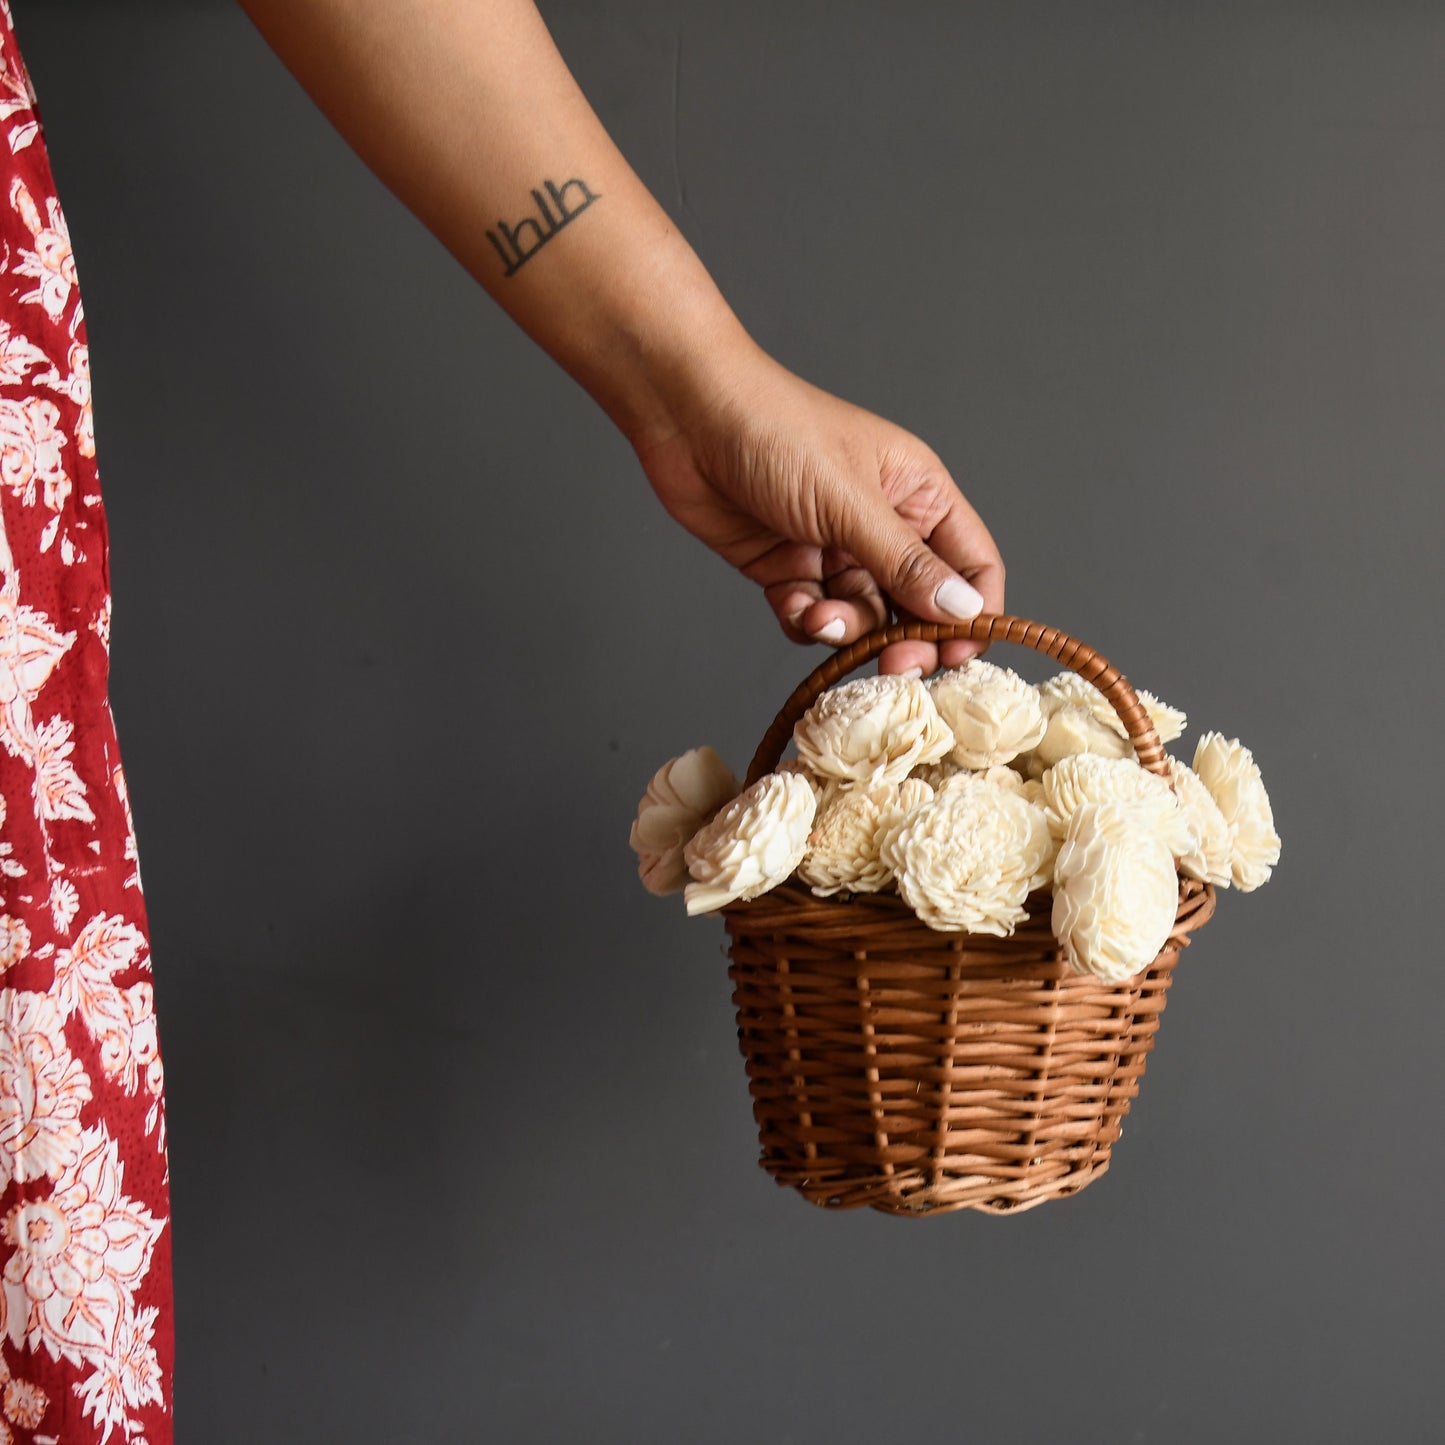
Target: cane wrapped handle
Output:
[(989, 627)]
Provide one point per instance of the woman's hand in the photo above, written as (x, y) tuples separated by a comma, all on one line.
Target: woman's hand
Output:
[(837, 514)]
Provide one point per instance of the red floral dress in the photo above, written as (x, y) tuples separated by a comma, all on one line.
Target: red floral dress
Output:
[(85, 1301)]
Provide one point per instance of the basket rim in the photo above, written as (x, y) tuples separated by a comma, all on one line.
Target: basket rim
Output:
[(1078, 656)]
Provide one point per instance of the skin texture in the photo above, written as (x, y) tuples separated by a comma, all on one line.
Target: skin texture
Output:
[(462, 108)]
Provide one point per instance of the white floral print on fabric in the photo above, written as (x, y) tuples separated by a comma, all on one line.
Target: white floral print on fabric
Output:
[(85, 1300), (18, 104), (42, 1090), (52, 263)]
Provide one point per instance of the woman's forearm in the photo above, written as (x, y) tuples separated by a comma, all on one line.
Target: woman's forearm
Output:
[(465, 109), (467, 112)]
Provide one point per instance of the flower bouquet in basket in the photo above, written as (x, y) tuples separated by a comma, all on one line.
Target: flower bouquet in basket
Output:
[(954, 914)]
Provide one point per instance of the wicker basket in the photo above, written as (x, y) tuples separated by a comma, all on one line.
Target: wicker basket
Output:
[(915, 1071)]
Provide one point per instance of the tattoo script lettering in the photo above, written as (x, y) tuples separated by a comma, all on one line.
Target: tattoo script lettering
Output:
[(557, 206)]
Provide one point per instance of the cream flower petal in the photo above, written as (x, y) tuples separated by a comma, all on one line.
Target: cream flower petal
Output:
[(914, 793), (969, 859), (1007, 779), (1227, 768), (1116, 893), (683, 795), (1088, 778), (753, 844), (1208, 860), (872, 730), (995, 715)]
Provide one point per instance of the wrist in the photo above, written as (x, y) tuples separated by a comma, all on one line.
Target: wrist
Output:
[(668, 349), (630, 312)]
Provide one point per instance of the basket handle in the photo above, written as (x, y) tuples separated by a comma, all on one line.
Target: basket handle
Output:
[(988, 627)]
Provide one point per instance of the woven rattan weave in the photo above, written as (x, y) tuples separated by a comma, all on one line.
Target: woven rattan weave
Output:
[(916, 1071)]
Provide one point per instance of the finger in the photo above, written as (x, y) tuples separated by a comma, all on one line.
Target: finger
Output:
[(787, 562), (852, 603), (838, 622), (918, 658), (955, 654), (791, 602), (791, 575)]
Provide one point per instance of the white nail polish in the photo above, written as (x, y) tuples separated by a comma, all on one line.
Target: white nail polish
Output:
[(833, 632), (958, 599)]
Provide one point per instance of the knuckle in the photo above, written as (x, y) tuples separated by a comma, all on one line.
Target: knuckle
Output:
[(914, 569)]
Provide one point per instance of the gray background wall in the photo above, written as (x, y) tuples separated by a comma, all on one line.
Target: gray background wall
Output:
[(461, 1145)]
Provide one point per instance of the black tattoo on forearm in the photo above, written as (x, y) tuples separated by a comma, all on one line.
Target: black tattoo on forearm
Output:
[(557, 206)]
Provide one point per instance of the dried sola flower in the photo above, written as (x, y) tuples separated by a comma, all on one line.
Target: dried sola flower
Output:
[(843, 846), (1074, 729), (1069, 689), (1116, 893), (995, 715), (1228, 770), (1169, 722), (682, 796), (968, 860), (1088, 778), (753, 844), (872, 730), (1208, 859)]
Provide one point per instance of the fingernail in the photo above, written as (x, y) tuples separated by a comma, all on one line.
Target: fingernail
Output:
[(913, 674), (958, 599), (833, 631)]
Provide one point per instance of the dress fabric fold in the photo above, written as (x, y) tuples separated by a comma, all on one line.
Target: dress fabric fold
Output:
[(86, 1343)]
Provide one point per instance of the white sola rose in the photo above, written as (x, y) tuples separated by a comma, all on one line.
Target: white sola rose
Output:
[(872, 730), (1088, 778), (682, 796), (968, 860), (1116, 893), (1227, 768), (995, 715), (845, 846), (1080, 719), (1208, 859), (753, 844), (1069, 689), (1073, 729)]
